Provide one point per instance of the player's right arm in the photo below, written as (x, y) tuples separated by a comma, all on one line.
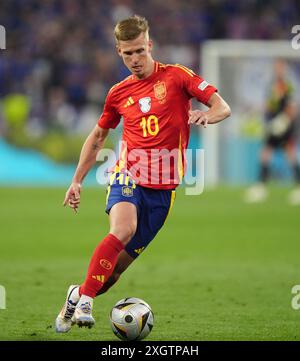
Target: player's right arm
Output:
[(93, 144)]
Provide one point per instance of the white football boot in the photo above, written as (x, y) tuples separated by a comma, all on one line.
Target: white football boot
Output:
[(83, 314), (256, 194), (65, 319)]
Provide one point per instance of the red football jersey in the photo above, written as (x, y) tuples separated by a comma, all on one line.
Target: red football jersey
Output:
[(155, 122)]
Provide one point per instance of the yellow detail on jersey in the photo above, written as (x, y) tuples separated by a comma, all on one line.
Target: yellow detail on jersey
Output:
[(179, 163), (117, 84), (139, 250), (161, 66), (143, 125), (117, 169), (187, 70), (113, 87), (149, 125)]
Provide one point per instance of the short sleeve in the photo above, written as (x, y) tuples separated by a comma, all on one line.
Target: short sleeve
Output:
[(110, 118), (195, 85)]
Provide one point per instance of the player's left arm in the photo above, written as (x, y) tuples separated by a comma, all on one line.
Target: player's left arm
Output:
[(218, 111)]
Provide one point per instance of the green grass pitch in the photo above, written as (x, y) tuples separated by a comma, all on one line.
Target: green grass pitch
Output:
[(218, 270)]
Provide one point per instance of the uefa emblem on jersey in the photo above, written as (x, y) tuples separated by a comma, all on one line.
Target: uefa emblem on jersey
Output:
[(145, 104)]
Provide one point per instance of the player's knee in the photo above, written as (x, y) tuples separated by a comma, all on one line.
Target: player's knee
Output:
[(124, 232)]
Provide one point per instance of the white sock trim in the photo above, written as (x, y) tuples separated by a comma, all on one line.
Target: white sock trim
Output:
[(84, 299)]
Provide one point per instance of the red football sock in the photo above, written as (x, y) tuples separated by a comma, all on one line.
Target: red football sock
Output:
[(101, 265)]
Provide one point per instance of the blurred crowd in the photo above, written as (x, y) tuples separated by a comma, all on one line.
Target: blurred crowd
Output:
[(61, 54)]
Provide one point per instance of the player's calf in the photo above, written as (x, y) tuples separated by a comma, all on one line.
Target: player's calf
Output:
[(109, 283), (124, 261)]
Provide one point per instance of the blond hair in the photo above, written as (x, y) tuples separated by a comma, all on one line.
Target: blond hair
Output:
[(131, 28)]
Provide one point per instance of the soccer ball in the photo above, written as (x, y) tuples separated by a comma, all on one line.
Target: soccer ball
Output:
[(131, 319)]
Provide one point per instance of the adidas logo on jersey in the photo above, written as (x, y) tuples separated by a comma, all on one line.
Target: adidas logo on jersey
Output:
[(129, 102)]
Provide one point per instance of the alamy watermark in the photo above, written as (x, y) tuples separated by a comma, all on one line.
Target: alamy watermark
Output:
[(154, 167), (296, 299), (2, 37), (296, 39), (2, 298)]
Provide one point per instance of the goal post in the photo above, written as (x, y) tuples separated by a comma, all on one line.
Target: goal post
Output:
[(241, 70)]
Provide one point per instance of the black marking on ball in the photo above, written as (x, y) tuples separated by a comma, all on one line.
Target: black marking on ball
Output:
[(128, 318), (144, 319), (119, 307), (120, 331)]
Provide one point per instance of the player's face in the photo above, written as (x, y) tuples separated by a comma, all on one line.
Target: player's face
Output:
[(280, 69), (136, 55)]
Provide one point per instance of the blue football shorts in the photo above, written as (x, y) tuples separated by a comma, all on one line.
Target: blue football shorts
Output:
[(153, 207)]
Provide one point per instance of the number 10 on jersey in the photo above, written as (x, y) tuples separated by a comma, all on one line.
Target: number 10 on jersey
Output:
[(149, 125)]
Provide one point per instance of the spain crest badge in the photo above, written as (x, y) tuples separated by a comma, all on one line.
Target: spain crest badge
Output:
[(160, 90)]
